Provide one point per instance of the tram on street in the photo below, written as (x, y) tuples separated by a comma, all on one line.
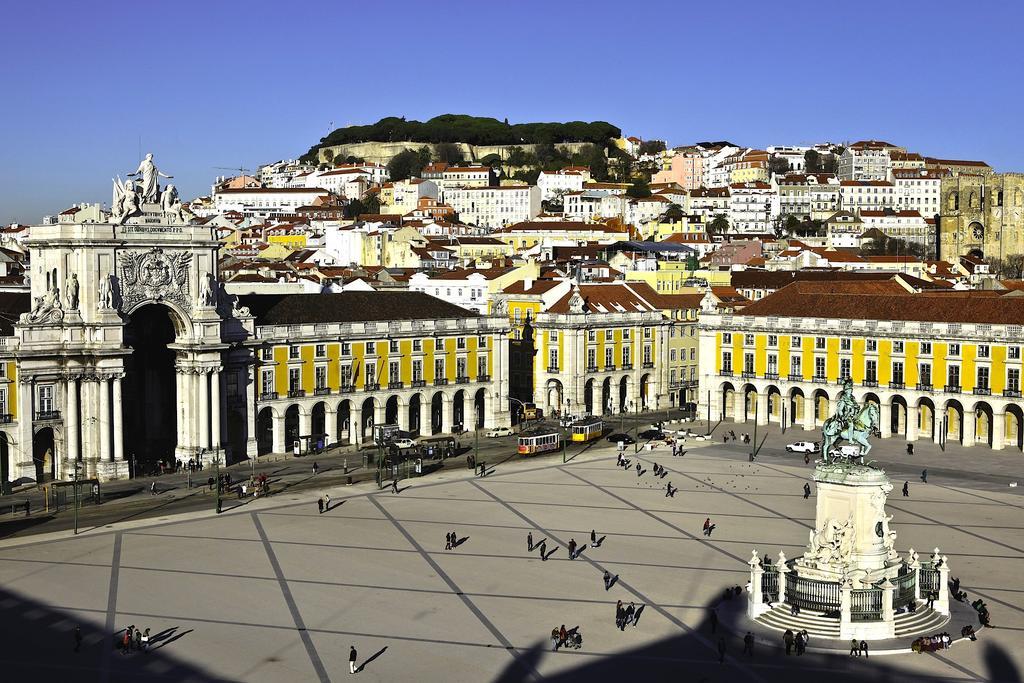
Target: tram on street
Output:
[(587, 429), (540, 440)]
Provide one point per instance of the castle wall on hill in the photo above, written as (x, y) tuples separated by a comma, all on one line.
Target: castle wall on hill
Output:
[(383, 152)]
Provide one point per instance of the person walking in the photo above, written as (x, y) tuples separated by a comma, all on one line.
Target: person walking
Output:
[(748, 644), (394, 486), (630, 611), (906, 489), (529, 541), (152, 489), (572, 548), (78, 638), (327, 502), (607, 579), (448, 541), (593, 537), (807, 459), (854, 648), (316, 468), (554, 639), (910, 449), (787, 638), (543, 550), (126, 641), (721, 650), (320, 505), (807, 490), (707, 526), (562, 635), (620, 615), (352, 656), (138, 639), (924, 475), (864, 648), (804, 640), (145, 641)]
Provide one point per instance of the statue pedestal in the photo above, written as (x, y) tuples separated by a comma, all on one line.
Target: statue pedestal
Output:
[(112, 470)]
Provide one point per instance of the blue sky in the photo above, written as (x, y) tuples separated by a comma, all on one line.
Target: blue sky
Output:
[(208, 84)]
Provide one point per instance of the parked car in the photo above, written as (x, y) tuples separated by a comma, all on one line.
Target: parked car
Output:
[(622, 438), (499, 432), (803, 447), (651, 434), (403, 443)]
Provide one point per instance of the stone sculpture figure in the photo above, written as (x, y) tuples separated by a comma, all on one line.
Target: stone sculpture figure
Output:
[(106, 292), (851, 422), (46, 308), (833, 543), (72, 294), (149, 174), (126, 201), (207, 296), (170, 204)]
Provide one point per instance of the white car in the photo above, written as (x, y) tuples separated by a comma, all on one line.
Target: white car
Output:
[(498, 432), (403, 443), (803, 447)]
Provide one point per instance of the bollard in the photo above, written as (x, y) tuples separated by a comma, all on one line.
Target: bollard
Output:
[(348, 480), (344, 465)]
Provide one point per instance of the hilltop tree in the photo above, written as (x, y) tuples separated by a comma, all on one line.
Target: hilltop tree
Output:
[(779, 166), (408, 163), (812, 161), (449, 153), (652, 147), (719, 225)]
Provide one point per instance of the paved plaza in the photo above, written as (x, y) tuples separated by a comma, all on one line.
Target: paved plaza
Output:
[(274, 591)]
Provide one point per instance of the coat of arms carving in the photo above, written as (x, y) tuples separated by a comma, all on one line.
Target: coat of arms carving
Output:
[(154, 276)]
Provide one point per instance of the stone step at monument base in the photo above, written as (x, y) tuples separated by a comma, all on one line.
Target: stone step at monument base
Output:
[(922, 622)]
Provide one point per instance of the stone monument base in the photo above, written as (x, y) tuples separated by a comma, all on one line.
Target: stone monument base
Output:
[(112, 470)]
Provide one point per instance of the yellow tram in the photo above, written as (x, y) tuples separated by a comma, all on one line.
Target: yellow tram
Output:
[(539, 440), (587, 429)]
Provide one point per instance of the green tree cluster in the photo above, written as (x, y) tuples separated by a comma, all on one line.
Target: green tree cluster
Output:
[(407, 164)]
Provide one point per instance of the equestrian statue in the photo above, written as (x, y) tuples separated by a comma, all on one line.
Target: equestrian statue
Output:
[(852, 422)]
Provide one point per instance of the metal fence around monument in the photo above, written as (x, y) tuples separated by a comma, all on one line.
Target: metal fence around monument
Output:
[(770, 584), (866, 604), (812, 594), (928, 579), (906, 588)]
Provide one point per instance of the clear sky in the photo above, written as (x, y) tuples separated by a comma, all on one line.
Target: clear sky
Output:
[(224, 83)]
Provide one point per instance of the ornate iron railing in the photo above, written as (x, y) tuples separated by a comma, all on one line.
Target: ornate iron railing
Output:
[(812, 594), (927, 579), (866, 604), (770, 584), (906, 588)]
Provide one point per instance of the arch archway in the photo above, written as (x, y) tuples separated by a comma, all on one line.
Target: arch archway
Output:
[(645, 382), (414, 414), (479, 407), (822, 408), (774, 403), (459, 409), (5, 463), (44, 454), (391, 408), (291, 426), (265, 431), (149, 402), (552, 397), (369, 419), (1014, 426), (797, 405), (898, 415), (318, 424), (982, 423), (588, 397), (606, 396), (954, 414), (344, 426), (436, 411), (728, 394), (623, 394), (925, 418), (749, 401)]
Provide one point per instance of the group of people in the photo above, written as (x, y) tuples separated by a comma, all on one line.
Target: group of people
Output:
[(451, 540), (626, 615), (798, 641), (731, 435), (858, 648), (942, 641), (560, 637), (132, 639), (323, 503)]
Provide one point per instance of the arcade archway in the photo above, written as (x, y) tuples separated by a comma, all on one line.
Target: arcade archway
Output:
[(150, 399)]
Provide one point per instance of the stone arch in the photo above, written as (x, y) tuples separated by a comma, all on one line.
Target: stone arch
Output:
[(1018, 198), (624, 394), (999, 198), (953, 201), (606, 396), (392, 406), (588, 397), (459, 409), (727, 394), (797, 405), (983, 419), (44, 454), (344, 421), (180, 320), (954, 417), (749, 392), (898, 415), (775, 403), (318, 424), (437, 405), (972, 200), (1014, 426), (645, 387), (367, 418), (552, 397), (925, 416), (480, 400), (291, 425), (415, 410), (822, 405), (265, 430)]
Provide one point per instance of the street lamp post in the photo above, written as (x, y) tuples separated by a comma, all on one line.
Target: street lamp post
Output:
[(753, 443), (78, 465)]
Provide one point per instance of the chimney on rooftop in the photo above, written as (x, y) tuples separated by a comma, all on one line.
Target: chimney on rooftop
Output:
[(527, 284)]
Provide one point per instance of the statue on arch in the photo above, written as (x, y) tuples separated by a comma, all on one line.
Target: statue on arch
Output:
[(170, 204), (106, 292), (149, 174), (207, 296), (126, 201), (72, 293)]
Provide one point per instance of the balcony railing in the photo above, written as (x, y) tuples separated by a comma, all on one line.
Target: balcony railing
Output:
[(627, 366), (268, 396), (396, 385), (771, 375), (6, 418), (896, 385), (924, 386), (419, 383), (648, 364), (322, 391), (483, 378), (296, 393), (609, 366), (952, 388), (591, 368), (982, 391), (796, 377), (47, 414), (346, 389), (371, 386), (462, 379), (870, 383), (552, 368), (440, 382), (820, 379), (1011, 393)]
